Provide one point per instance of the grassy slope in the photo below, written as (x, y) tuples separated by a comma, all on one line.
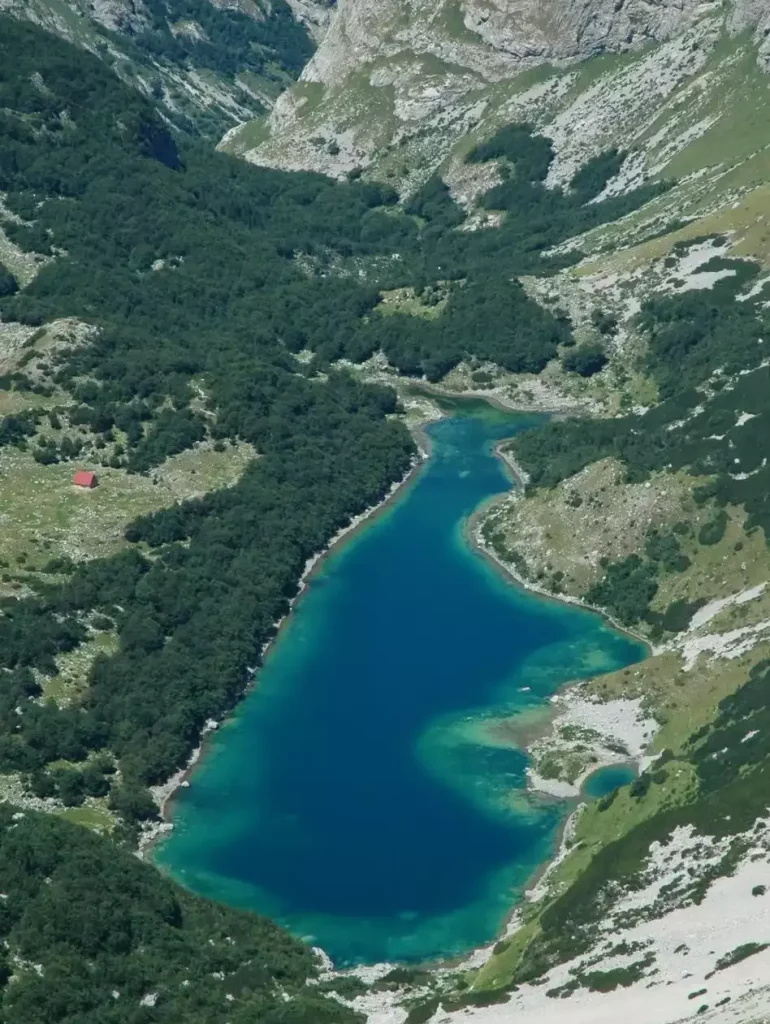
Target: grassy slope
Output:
[(45, 517)]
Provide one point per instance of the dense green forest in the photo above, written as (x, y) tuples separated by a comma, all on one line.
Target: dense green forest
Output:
[(485, 316), (114, 190), (91, 934)]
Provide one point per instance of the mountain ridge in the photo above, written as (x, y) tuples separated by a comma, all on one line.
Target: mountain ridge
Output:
[(395, 80)]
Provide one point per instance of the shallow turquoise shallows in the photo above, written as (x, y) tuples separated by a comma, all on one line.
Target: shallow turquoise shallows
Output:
[(361, 795)]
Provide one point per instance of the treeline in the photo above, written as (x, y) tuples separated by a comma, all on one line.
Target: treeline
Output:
[(488, 315), (537, 217), (90, 933), (518, 333)]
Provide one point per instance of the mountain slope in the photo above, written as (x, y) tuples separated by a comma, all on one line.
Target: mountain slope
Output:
[(655, 508), (394, 85), (206, 64), (134, 947)]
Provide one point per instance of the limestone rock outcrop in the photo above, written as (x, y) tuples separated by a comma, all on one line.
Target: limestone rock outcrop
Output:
[(120, 15), (388, 71), (753, 16), (494, 38)]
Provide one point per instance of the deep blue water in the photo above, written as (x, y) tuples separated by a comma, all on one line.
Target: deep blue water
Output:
[(604, 780), (356, 796)]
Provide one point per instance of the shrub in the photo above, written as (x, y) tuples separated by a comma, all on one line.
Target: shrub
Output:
[(640, 786), (714, 530), (8, 283), (423, 1012), (604, 322), (608, 800), (608, 981), (133, 802), (585, 360), (739, 953)]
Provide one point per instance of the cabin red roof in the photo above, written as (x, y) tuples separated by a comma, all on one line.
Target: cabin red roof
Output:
[(83, 478)]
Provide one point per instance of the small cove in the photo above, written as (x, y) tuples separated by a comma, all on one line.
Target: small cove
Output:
[(353, 796)]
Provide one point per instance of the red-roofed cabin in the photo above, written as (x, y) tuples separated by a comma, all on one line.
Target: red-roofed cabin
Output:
[(84, 479)]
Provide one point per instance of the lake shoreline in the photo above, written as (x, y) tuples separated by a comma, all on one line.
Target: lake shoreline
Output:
[(477, 543), (551, 713), (499, 401), (519, 479), (574, 803), (542, 729), (167, 793)]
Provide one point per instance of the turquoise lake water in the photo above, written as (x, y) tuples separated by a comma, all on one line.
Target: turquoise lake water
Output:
[(361, 794), (604, 780)]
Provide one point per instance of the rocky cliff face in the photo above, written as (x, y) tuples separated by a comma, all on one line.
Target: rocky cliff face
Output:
[(132, 16), (390, 75), (493, 38), (313, 14)]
